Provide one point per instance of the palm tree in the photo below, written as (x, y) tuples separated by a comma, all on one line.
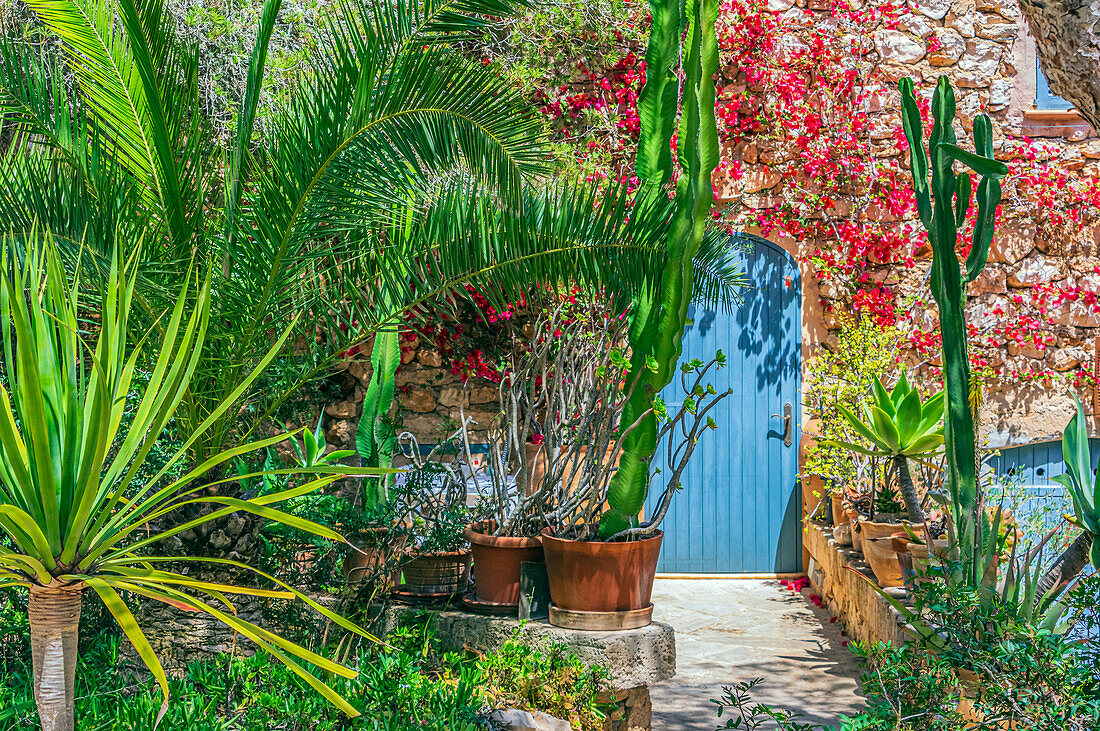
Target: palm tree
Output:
[(71, 504), (399, 169)]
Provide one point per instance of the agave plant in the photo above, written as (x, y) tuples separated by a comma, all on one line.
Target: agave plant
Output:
[(1083, 485), (71, 505), (899, 426)]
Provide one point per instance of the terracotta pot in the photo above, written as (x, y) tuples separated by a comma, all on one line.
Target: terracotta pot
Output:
[(535, 462), (593, 576), (921, 556), (836, 501), (884, 528), (854, 520), (438, 573), (369, 552), (883, 558), (814, 498), (497, 562)]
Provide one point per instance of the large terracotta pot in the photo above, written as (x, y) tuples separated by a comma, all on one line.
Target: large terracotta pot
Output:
[(855, 520), (497, 562), (593, 576), (883, 528), (437, 573)]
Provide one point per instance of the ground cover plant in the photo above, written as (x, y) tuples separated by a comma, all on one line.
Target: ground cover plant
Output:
[(403, 685)]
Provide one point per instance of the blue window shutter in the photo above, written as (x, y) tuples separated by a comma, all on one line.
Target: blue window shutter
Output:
[(1044, 99)]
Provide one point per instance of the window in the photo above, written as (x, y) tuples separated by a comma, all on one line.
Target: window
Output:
[(1045, 100)]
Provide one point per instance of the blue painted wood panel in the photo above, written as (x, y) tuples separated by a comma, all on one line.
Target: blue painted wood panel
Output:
[(1028, 489), (739, 508), (1045, 100)]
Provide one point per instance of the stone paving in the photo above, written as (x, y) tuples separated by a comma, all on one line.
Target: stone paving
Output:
[(733, 630)]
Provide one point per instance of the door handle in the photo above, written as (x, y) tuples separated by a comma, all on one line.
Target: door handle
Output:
[(786, 417)]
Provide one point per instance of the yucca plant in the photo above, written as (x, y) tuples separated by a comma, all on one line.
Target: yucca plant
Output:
[(899, 426), (73, 513)]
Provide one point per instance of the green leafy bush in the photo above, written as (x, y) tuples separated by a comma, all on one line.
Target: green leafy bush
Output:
[(403, 685)]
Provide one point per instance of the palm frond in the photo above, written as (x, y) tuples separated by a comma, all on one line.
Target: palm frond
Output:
[(719, 275)]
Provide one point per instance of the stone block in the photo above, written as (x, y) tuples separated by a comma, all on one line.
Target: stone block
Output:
[(513, 719), (899, 47), (1036, 269), (484, 394), (452, 396), (982, 58), (946, 48), (995, 28), (934, 9), (1009, 9), (633, 658), (992, 280), (343, 409), (420, 400), (430, 358)]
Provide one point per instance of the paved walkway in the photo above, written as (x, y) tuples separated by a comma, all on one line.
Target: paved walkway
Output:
[(733, 630)]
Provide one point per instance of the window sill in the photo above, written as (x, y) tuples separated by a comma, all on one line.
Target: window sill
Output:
[(1055, 123)]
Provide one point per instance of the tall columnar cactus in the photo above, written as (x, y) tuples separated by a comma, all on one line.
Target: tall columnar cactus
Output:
[(657, 327), (943, 205)]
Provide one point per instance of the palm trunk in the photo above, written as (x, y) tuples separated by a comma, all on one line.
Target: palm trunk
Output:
[(55, 623), (1065, 568), (908, 490)]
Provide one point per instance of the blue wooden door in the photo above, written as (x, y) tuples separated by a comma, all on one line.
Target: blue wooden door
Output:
[(739, 511)]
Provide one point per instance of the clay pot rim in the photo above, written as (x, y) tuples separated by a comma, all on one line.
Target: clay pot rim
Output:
[(441, 554), (475, 536), (549, 533)]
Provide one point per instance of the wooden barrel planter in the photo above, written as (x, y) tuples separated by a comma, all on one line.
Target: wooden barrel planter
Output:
[(437, 574)]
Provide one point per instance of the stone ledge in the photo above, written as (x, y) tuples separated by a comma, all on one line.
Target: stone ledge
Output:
[(633, 658), (866, 615)]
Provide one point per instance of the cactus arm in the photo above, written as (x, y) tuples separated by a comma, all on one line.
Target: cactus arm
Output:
[(658, 99), (657, 333), (942, 221), (918, 158), (374, 437)]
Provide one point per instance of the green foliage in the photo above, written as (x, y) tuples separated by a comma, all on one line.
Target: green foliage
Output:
[(405, 685), (896, 422), (682, 40), (375, 435), (1080, 481), (71, 508), (943, 205), (844, 376)]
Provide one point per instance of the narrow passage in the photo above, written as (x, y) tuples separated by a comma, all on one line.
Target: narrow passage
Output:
[(733, 630)]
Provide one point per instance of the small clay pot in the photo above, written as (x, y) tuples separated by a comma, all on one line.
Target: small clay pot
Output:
[(842, 533), (437, 573), (369, 551), (596, 576), (497, 561), (854, 521), (836, 502)]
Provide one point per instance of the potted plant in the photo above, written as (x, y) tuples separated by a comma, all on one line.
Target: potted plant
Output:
[(614, 575), (430, 497), (534, 454)]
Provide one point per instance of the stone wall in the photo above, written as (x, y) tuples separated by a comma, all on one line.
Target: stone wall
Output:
[(838, 577), (429, 397), (983, 48)]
